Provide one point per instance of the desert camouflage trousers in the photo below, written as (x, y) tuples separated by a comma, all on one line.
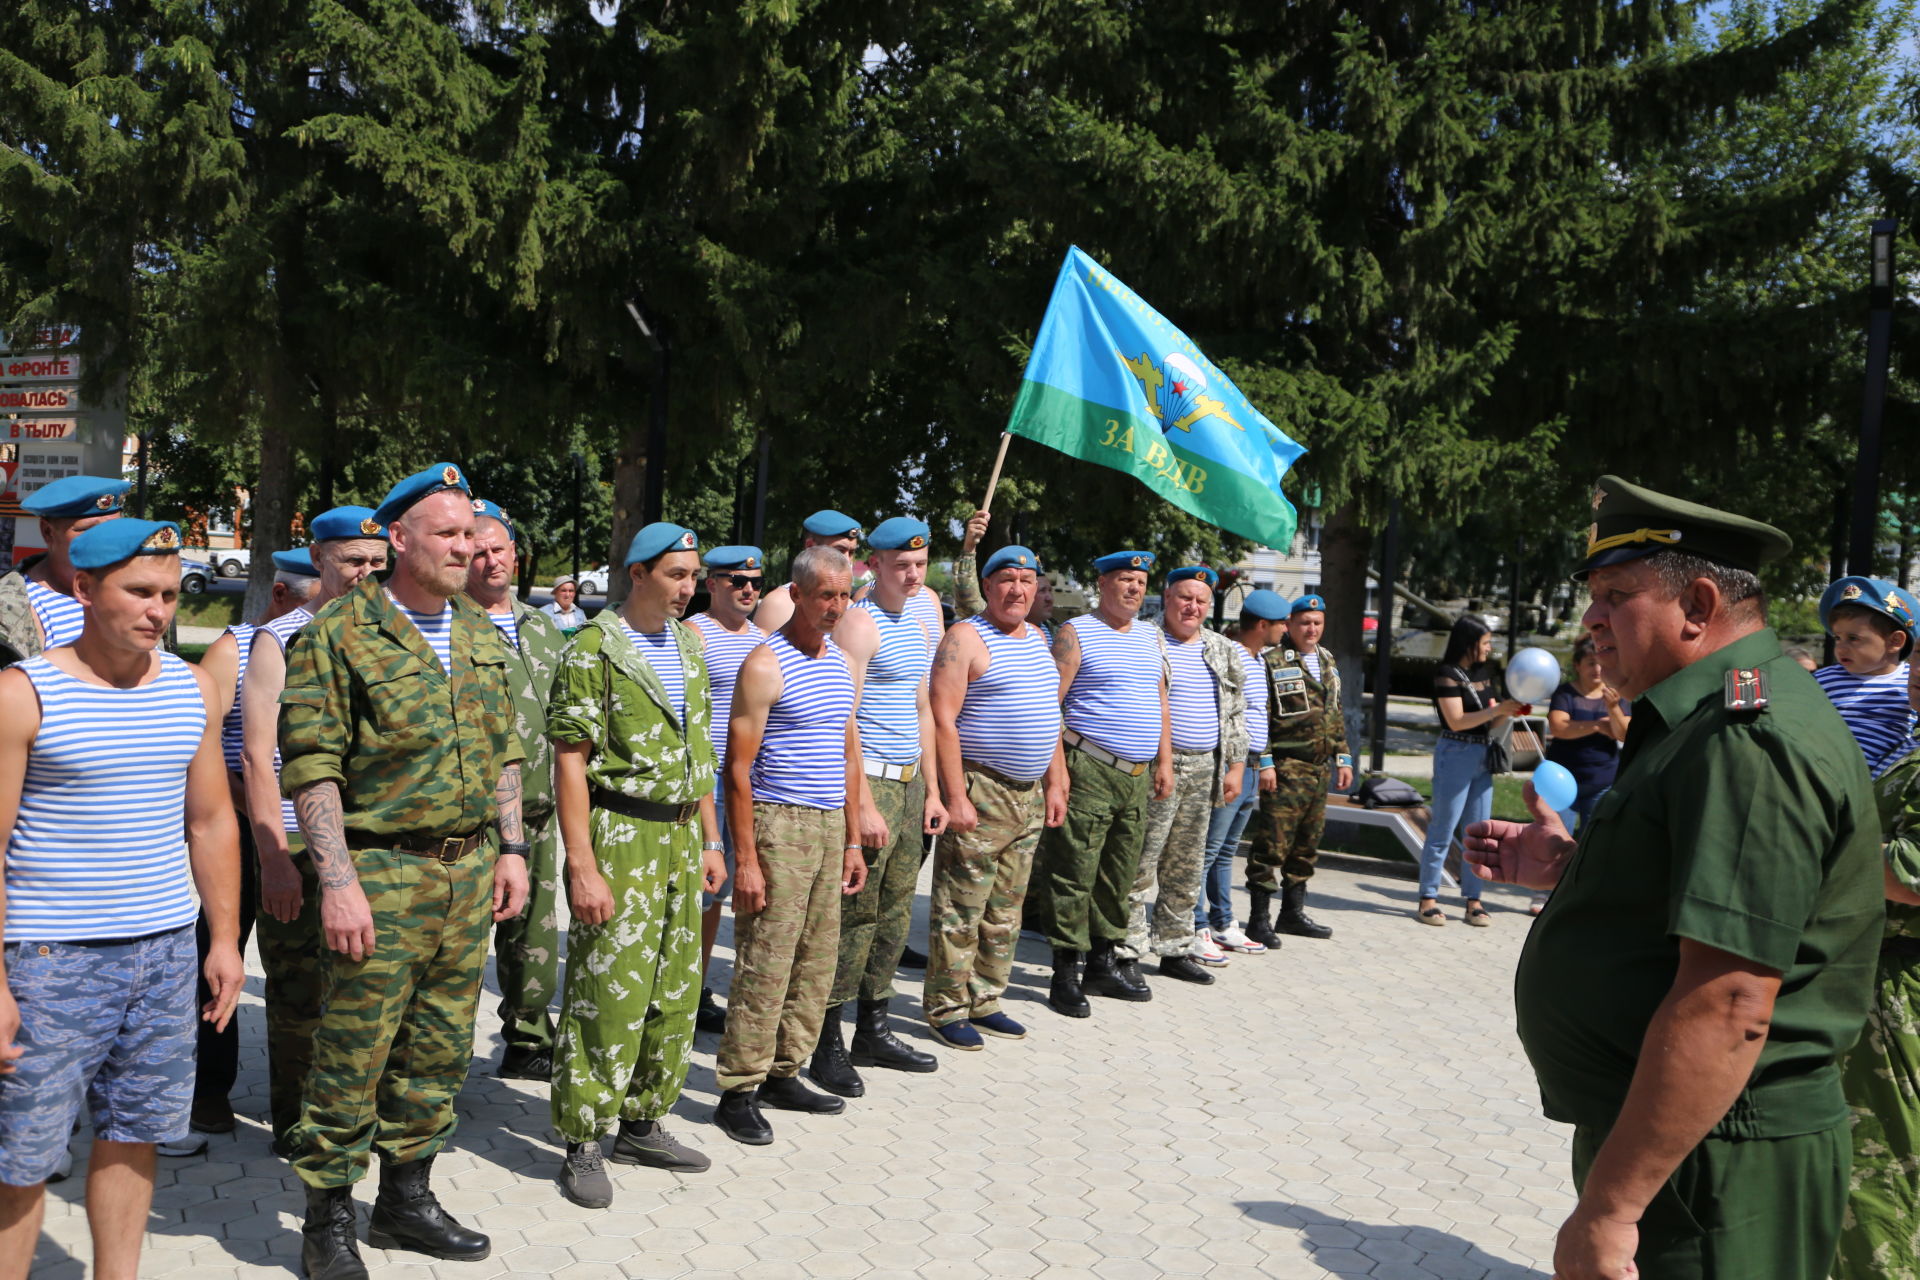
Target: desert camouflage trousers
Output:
[(979, 887), (1171, 859)]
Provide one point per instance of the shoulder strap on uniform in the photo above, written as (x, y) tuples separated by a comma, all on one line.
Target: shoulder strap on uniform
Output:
[(1747, 689)]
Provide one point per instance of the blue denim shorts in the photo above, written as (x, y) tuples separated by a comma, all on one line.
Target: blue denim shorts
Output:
[(108, 1023)]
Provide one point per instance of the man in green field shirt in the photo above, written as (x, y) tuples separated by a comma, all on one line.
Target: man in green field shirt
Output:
[(1709, 949)]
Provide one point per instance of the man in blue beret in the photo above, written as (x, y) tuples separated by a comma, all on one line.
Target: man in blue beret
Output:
[(736, 575), (1113, 687), (396, 729), (888, 638), (526, 947), (967, 599), (37, 608), (827, 528), (103, 850)]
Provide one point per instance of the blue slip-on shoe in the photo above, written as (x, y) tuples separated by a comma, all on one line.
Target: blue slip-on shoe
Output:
[(999, 1024), (958, 1035)]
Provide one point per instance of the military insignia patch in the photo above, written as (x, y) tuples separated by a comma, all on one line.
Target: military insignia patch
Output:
[(1139, 561), (1897, 609), (162, 540), (1850, 592), (916, 542), (370, 527), (686, 541), (1019, 559), (450, 474), (753, 562), (104, 502), (1599, 496), (479, 504), (1747, 689)]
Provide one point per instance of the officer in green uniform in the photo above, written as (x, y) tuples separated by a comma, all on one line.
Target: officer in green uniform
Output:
[(1308, 733), (526, 948), (398, 749), (1708, 952)]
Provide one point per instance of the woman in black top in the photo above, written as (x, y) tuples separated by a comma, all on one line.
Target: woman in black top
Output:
[(1462, 779)]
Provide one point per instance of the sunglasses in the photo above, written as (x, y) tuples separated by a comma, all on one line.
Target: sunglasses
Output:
[(744, 579)]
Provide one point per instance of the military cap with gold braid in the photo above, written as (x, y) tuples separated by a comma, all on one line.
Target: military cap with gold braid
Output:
[(1630, 521)]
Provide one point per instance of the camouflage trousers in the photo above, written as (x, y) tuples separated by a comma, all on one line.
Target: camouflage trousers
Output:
[(783, 954), (979, 886), (875, 921), (1880, 1235), (632, 983), (293, 954), (1286, 834), (1084, 867), (395, 1037), (1171, 859), (526, 949)]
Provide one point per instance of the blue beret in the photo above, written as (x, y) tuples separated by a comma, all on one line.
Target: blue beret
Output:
[(346, 522), (491, 510), (1199, 571), (70, 497), (117, 540), (658, 538), (831, 524), (1307, 604), (437, 478), (735, 558), (1010, 558), (1875, 594), (299, 560), (1268, 606), (1123, 560), (902, 533)]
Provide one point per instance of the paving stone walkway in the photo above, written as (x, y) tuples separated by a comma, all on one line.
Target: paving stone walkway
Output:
[(1357, 1107)]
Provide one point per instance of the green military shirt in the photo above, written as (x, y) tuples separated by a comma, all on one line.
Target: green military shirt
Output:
[(1899, 792), (1752, 832), (416, 753), (531, 668), (607, 694), (1304, 718)]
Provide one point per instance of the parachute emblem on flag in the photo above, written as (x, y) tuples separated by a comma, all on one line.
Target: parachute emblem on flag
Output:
[(1176, 391)]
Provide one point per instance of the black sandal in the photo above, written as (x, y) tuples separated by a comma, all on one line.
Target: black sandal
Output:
[(1431, 915), (1478, 917)]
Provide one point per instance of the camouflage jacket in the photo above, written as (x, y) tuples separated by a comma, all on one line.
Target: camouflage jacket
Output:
[(19, 629), (967, 598), (1304, 715), (530, 672), (416, 753), (1231, 698), (608, 695), (1898, 793)]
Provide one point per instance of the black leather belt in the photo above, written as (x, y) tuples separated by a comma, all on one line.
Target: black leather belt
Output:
[(1451, 736), (645, 810), (445, 849)]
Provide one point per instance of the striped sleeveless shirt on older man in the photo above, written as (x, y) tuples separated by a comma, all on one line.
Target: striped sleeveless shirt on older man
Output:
[(802, 758), (1114, 701), (1010, 721)]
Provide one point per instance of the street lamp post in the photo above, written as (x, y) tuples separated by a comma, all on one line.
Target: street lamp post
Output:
[(654, 501), (1866, 483)]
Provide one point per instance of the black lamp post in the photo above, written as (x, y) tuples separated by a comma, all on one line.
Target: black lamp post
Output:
[(1866, 484), (654, 501)]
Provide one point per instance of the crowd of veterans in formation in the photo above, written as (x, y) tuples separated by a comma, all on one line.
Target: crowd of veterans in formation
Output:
[(402, 765)]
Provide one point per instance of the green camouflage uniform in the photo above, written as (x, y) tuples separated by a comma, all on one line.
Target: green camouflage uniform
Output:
[(1880, 1235), (526, 948), (19, 629), (967, 600), (1175, 848), (874, 923), (632, 983), (979, 886), (418, 756), (293, 955), (1309, 733)]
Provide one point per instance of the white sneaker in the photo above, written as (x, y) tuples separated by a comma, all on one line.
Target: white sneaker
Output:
[(1204, 951), (191, 1145), (1234, 938)]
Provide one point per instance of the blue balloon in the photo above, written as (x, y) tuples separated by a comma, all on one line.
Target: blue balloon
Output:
[(1555, 786)]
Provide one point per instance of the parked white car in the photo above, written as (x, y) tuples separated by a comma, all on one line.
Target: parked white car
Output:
[(593, 582), (233, 562)]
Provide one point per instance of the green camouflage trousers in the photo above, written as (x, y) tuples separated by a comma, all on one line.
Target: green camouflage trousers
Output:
[(1084, 867), (632, 984), (979, 885), (294, 957), (783, 954), (526, 949), (1880, 1235), (1171, 856), (875, 921), (396, 1029), (1287, 830)]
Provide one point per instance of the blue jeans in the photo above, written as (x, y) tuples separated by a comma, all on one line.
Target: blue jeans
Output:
[(1462, 794), (1213, 909)]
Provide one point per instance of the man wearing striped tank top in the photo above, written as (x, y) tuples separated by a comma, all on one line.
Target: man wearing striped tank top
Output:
[(1113, 691), (889, 647), (793, 769), (735, 576), (101, 850), (343, 554), (37, 608), (526, 947), (999, 735), (827, 528)]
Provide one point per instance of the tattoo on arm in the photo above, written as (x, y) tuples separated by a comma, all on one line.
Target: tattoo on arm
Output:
[(322, 822), (507, 796)]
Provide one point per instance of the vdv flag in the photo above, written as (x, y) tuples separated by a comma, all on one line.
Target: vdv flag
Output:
[(1110, 381)]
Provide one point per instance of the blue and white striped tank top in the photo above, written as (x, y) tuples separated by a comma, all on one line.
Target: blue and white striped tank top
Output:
[(1192, 701), (99, 848), (509, 624), (803, 758), (726, 652), (659, 650), (889, 713), (925, 605), (282, 630), (1253, 671), (1115, 699), (61, 617), (435, 628), (1875, 709), (232, 727), (1010, 721)]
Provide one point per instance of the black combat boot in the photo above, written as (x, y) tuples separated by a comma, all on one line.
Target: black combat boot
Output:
[(1065, 996), (786, 1093), (1104, 979), (831, 1069), (1127, 969), (1293, 913), (1259, 923), (875, 1045), (1186, 969), (738, 1116), (328, 1249), (407, 1215)]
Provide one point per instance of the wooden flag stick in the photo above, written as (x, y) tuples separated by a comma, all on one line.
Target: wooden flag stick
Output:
[(993, 481)]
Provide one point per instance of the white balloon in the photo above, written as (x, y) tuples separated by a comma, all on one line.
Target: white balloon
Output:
[(1533, 675)]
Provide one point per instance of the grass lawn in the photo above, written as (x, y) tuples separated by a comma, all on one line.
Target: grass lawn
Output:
[(209, 610)]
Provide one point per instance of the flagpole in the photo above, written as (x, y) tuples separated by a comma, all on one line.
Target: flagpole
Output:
[(993, 481)]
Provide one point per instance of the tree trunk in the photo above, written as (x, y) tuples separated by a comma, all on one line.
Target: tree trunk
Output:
[(1344, 548), (272, 512), (629, 501)]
